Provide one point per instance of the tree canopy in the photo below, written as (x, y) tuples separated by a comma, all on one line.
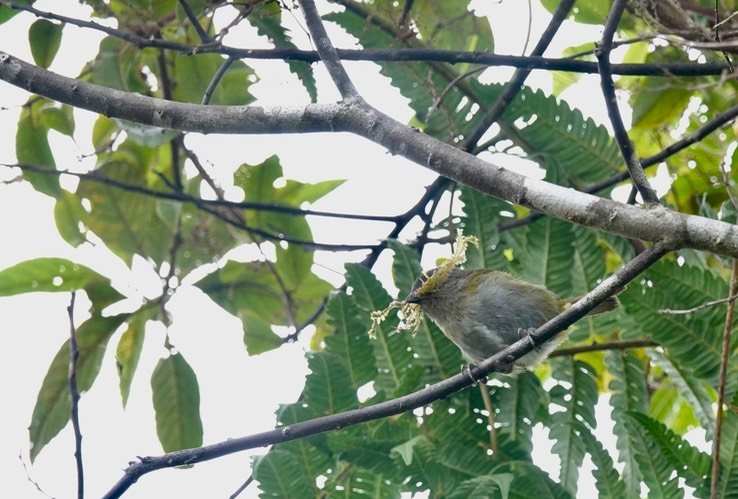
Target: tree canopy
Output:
[(641, 203)]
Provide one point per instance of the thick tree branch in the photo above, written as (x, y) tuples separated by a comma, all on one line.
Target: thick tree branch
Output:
[(653, 224)]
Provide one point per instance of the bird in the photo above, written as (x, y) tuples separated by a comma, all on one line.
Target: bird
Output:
[(483, 311)]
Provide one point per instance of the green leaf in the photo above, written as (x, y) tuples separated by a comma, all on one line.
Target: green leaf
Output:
[(668, 407), (176, 397), (656, 101), (481, 219), (194, 73), (118, 65), (258, 336), (690, 464), (562, 80), (279, 475), (7, 13), (607, 480), (589, 261), (487, 486), (586, 13), (658, 474), (628, 387), (267, 19), (327, 388), (577, 394), (59, 118), (103, 132), (519, 400), (69, 214), (452, 25), (692, 389), (349, 339), (361, 482), (129, 349), (57, 274), (45, 38), (311, 453), (251, 292), (728, 484), (549, 256), (405, 266), (53, 405), (391, 349), (691, 340), (204, 237), (294, 260), (127, 221), (441, 467), (32, 147), (531, 481)]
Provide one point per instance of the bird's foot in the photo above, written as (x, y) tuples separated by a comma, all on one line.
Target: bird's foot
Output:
[(467, 369), (528, 333)]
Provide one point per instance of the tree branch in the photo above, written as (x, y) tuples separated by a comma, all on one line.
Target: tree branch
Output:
[(186, 198), (399, 405), (653, 224), (75, 396), (607, 345), (195, 23), (515, 85), (327, 52), (635, 169), (668, 70), (686, 141)]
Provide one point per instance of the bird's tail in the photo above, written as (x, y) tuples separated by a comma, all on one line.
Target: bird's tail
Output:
[(611, 303)]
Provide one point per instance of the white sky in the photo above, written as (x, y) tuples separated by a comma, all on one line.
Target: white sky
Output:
[(239, 394)]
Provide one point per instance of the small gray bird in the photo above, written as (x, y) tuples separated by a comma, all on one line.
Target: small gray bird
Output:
[(484, 311)]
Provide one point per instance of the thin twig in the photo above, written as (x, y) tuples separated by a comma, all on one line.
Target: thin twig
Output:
[(30, 480), (724, 358), (515, 85), (668, 70), (635, 169), (75, 396), (185, 198), (195, 23), (728, 187), (705, 305), (242, 487), (726, 20), (716, 30), (217, 77), (328, 53), (487, 400), (606, 345), (715, 123)]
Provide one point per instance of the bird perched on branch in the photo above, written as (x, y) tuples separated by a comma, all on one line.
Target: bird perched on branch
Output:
[(484, 311)]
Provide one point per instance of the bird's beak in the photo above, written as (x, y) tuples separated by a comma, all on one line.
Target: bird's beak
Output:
[(413, 298)]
